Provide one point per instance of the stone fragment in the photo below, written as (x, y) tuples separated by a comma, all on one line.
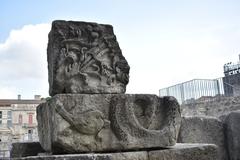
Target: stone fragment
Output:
[(204, 130), (75, 123), (232, 122), (85, 58), (24, 149), (186, 152), (178, 152)]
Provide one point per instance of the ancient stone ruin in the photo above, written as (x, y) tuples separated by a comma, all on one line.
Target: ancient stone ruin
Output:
[(91, 117)]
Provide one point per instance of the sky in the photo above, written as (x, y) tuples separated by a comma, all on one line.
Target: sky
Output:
[(164, 42)]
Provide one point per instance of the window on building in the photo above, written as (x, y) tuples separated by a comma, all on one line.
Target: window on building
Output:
[(20, 119), (30, 136), (9, 118), (29, 131), (30, 119), (9, 115), (9, 123)]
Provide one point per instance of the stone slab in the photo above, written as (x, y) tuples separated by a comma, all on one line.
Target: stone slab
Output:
[(186, 152), (178, 152), (24, 149), (76, 123), (232, 131), (85, 57), (204, 130)]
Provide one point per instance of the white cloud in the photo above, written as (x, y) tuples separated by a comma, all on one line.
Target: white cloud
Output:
[(23, 62)]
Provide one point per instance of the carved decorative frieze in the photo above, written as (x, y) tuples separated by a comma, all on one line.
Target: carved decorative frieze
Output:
[(107, 122), (85, 58)]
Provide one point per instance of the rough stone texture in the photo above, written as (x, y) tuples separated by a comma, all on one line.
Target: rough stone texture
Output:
[(204, 130), (178, 152), (25, 149), (186, 152), (232, 123), (85, 58), (75, 123), (105, 156), (217, 106)]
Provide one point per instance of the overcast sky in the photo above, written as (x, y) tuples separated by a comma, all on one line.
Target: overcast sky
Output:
[(164, 42)]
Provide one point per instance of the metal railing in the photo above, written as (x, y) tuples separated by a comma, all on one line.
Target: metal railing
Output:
[(189, 91)]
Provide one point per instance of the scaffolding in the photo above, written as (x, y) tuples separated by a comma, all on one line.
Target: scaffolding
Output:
[(191, 90)]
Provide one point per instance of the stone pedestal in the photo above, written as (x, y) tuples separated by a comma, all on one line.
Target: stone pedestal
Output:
[(177, 152), (90, 112), (76, 123)]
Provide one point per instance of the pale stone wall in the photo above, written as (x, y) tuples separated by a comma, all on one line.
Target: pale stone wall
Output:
[(204, 130), (212, 106), (226, 109), (25, 110)]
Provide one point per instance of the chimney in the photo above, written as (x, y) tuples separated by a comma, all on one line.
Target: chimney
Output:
[(37, 97), (19, 97)]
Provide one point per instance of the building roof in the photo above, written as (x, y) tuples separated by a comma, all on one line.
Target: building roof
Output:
[(21, 101)]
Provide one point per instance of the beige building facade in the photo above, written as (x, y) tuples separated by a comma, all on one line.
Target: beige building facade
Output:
[(17, 122)]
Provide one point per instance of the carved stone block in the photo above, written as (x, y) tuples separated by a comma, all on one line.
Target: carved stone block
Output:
[(75, 123), (232, 131), (85, 58), (204, 130)]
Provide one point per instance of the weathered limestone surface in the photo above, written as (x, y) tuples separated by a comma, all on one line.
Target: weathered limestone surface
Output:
[(89, 112), (186, 152), (204, 130), (91, 156), (178, 152), (75, 123), (85, 58), (25, 149), (232, 122), (218, 106)]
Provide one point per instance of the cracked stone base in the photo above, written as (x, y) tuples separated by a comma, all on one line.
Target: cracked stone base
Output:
[(177, 152), (83, 123)]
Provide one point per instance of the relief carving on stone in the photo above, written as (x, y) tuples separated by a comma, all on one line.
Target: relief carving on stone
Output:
[(88, 122), (89, 111), (89, 60), (144, 119), (96, 122), (85, 125)]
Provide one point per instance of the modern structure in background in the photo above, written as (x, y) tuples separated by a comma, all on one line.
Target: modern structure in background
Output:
[(191, 90), (231, 78), (17, 122), (188, 92)]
